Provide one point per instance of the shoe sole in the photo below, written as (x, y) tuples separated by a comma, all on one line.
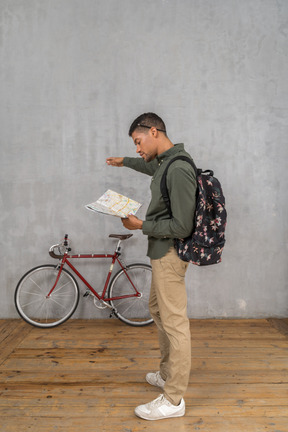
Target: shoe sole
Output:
[(143, 416)]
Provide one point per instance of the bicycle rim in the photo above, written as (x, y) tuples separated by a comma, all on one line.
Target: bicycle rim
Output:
[(132, 310), (32, 302)]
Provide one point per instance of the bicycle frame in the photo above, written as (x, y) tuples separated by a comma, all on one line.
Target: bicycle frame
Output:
[(114, 257)]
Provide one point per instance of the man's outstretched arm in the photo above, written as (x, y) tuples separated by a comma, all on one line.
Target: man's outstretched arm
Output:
[(135, 163)]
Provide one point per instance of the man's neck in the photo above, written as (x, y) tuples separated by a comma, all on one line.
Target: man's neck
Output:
[(164, 145)]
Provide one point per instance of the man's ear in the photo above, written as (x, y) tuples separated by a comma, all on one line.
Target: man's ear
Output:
[(154, 132)]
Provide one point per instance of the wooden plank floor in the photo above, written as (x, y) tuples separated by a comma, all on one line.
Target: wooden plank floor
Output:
[(88, 375)]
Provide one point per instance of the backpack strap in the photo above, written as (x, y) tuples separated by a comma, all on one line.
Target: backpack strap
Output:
[(163, 183)]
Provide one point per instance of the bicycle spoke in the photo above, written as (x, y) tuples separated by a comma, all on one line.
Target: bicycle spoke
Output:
[(43, 306), (65, 294), (36, 284), (25, 305), (62, 286), (47, 312), (129, 306), (32, 293), (52, 299)]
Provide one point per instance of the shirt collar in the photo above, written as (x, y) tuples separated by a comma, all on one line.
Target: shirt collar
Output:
[(170, 152)]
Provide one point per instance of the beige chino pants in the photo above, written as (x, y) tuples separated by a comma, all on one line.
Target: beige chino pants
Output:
[(168, 307)]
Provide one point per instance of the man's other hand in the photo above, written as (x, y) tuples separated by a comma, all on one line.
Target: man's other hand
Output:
[(132, 222), (115, 161)]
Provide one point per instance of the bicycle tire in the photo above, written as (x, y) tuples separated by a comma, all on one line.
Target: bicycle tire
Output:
[(31, 299), (133, 311)]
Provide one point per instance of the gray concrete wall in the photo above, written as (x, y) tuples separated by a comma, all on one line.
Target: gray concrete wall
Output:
[(75, 73)]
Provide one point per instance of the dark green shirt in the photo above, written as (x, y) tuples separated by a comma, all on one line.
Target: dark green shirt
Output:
[(181, 184)]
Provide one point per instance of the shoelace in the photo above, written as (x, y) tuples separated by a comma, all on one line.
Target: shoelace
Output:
[(159, 401)]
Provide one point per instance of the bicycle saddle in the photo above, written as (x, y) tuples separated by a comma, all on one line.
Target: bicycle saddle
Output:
[(121, 236)]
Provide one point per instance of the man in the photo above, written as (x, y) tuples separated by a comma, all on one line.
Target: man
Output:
[(168, 299)]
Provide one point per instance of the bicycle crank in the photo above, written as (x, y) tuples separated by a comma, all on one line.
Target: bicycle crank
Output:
[(99, 304)]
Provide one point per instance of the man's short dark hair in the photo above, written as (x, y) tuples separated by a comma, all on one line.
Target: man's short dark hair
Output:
[(146, 121)]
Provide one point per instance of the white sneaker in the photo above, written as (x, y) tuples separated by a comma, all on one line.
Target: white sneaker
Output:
[(160, 408), (155, 379)]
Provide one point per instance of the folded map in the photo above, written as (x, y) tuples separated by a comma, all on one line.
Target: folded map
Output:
[(115, 204)]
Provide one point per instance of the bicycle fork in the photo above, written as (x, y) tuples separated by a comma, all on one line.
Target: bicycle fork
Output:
[(59, 268)]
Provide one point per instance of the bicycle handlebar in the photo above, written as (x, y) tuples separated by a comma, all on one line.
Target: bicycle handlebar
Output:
[(62, 248)]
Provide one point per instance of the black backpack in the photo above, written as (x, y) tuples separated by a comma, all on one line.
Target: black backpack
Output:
[(205, 244)]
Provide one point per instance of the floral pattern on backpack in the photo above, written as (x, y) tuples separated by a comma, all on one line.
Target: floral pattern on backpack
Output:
[(205, 244)]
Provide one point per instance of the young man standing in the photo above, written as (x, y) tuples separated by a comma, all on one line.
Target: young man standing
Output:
[(168, 299)]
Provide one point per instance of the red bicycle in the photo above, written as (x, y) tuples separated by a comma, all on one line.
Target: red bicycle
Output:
[(48, 295)]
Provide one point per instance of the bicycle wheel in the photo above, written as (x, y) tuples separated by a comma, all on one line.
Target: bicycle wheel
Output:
[(31, 299), (132, 310)]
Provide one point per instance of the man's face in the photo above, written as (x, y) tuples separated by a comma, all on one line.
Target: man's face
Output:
[(145, 145)]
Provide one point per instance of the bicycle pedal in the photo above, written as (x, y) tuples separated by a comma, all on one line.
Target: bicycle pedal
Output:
[(86, 294), (112, 313)]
